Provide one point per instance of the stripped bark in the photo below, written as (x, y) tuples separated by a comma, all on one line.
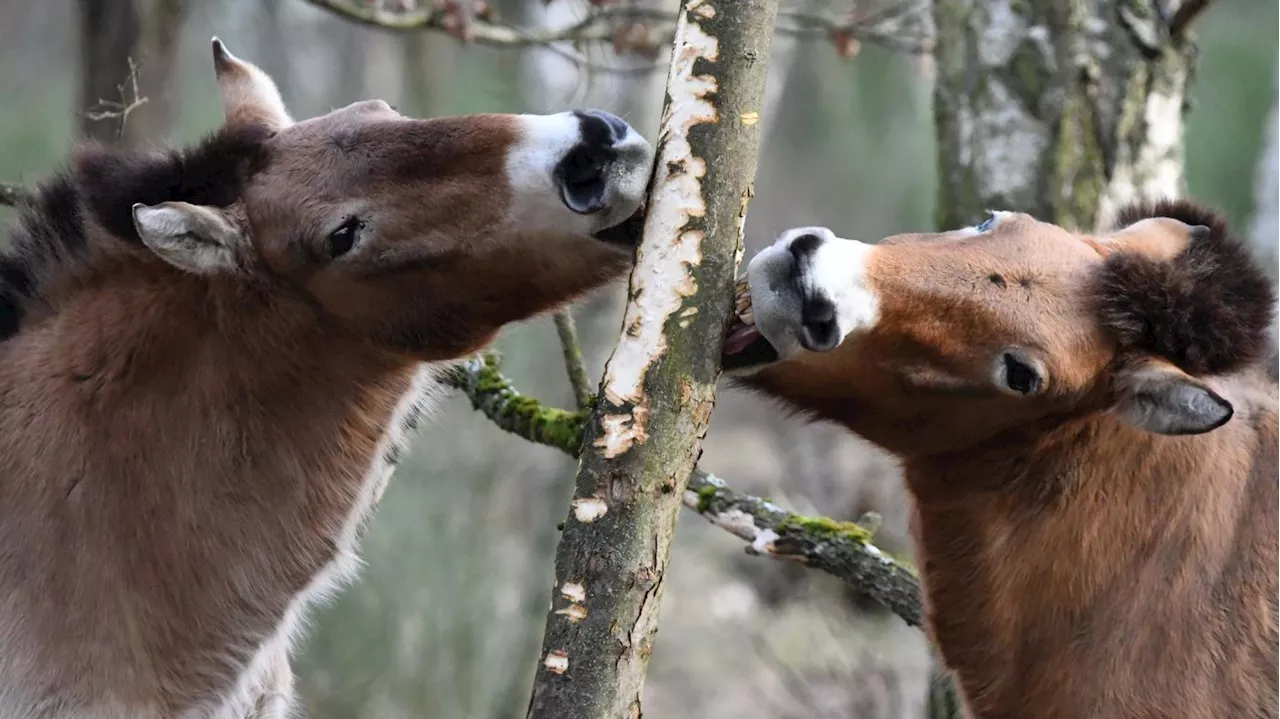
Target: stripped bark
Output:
[(1062, 109), (842, 549), (645, 432)]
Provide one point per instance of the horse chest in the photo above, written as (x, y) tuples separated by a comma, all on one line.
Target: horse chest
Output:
[(344, 561)]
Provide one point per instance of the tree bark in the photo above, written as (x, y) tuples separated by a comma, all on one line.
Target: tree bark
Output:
[(127, 62), (1064, 109), (644, 435), (1264, 231)]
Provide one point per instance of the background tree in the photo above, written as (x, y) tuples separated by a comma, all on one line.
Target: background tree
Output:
[(127, 52)]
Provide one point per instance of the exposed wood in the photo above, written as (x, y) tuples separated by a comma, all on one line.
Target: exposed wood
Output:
[(644, 435), (842, 549)]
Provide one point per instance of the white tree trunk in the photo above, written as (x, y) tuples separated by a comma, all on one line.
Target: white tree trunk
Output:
[(1061, 108), (1264, 233)]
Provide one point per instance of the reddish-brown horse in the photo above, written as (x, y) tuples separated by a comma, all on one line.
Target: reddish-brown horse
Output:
[(1088, 436), (209, 359)]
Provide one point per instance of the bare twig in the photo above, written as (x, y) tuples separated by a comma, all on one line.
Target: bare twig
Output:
[(893, 25), (1188, 11), (130, 100), (574, 364), (841, 549)]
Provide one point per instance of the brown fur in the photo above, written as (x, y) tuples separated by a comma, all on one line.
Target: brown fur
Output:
[(188, 456), (1075, 565)]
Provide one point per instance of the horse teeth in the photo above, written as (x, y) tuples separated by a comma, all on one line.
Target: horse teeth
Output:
[(742, 302)]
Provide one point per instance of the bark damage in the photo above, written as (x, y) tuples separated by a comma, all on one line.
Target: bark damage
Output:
[(644, 436)]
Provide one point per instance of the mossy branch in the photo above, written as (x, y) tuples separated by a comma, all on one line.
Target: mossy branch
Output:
[(841, 549), (492, 393)]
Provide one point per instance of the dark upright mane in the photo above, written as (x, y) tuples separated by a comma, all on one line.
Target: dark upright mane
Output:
[(1207, 311), (101, 186)]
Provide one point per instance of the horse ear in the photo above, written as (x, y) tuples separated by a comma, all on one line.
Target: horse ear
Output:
[(1156, 238), (1160, 398), (193, 238), (248, 94)]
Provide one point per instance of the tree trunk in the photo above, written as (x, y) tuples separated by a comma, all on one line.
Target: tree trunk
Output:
[(123, 42), (658, 391), (1064, 109), (1264, 231)]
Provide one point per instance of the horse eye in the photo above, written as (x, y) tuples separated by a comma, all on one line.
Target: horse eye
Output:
[(1019, 374), (345, 237)]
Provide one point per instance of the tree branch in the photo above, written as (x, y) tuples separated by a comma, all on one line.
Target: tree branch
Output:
[(1187, 12), (574, 365), (643, 437), (841, 549), (896, 25)]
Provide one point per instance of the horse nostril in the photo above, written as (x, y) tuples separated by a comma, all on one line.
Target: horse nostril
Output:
[(600, 128), (804, 246), (584, 172), (581, 175), (820, 329)]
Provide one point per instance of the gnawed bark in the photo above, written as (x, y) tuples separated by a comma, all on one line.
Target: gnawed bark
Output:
[(1064, 109), (643, 438), (841, 549)]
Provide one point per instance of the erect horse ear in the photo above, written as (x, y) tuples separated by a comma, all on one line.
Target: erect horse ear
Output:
[(1156, 396), (193, 238), (248, 93), (1156, 238)]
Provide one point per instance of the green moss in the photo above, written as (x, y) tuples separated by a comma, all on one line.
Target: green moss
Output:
[(825, 528), (1027, 75), (1079, 172), (705, 495), (494, 394)]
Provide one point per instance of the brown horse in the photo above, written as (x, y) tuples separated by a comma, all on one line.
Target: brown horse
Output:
[(1087, 435), (209, 359)]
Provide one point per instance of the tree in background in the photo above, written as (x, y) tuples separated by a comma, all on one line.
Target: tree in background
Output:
[(127, 53), (1064, 110)]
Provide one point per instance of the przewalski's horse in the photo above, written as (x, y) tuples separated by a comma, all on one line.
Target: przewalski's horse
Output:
[(209, 358), (1087, 436)]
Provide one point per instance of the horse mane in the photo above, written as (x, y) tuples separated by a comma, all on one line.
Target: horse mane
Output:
[(54, 239), (1207, 311)]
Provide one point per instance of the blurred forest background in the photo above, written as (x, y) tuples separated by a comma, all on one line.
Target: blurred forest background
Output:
[(447, 618)]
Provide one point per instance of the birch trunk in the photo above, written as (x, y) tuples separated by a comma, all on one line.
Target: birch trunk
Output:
[(644, 436), (1264, 231), (1064, 109)]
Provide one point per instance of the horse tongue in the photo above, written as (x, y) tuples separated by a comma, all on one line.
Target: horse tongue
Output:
[(740, 337)]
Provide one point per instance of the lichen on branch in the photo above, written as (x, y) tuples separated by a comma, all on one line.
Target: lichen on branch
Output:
[(841, 549), (492, 393)]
